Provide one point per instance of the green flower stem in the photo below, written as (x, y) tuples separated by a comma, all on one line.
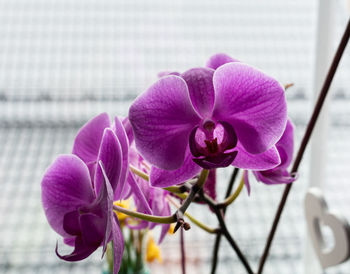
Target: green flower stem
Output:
[(174, 189), (182, 196), (147, 217), (194, 220), (229, 200), (181, 188), (139, 173), (194, 190)]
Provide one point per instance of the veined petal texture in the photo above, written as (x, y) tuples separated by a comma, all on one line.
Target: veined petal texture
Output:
[(66, 186), (162, 119), (252, 102)]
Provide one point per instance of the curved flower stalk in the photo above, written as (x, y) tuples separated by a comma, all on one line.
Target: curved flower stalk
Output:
[(209, 119), (82, 216), (279, 174)]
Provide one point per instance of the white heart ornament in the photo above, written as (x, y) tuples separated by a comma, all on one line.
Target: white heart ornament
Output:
[(316, 212)]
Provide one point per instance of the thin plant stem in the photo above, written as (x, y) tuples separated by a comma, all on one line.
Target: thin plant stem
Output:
[(139, 173), (218, 236), (193, 191), (229, 200), (231, 182), (214, 261), (225, 232), (306, 138), (229, 238), (147, 217), (183, 254), (193, 219)]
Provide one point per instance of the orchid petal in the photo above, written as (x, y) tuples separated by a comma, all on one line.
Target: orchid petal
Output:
[(162, 119), (141, 202), (105, 201), (263, 161), (118, 245), (92, 228), (69, 241), (166, 73), (124, 144), (65, 187), (80, 252), (252, 102), (285, 145), (128, 129), (71, 223), (87, 143), (218, 60), (200, 87), (274, 177), (111, 156), (220, 160), (165, 178)]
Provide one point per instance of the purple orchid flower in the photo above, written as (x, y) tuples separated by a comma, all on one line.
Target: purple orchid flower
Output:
[(82, 216), (209, 119), (279, 174), (87, 146), (219, 59)]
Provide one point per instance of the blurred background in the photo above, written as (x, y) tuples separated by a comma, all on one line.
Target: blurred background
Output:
[(62, 62)]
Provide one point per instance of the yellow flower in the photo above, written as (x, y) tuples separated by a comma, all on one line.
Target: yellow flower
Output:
[(152, 251), (124, 204), (171, 229)]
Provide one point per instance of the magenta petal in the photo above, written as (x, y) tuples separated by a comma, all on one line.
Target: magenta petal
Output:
[(218, 60), (69, 241), (105, 203), (263, 161), (80, 252), (162, 119), (92, 229), (285, 145), (274, 177), (200, 86), (124, 144), (128, 129), (166, 73), (220, 160), (87, 143), (118, 245), (252, 102), (111, 156), (165, 178), (65, 187), (140, 199), (71, 223)]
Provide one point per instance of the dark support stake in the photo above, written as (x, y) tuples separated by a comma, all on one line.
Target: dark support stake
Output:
[(183, 254), (218, 236), (305, 141)]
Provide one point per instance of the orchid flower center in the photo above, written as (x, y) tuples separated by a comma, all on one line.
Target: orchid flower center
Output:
[(212, 138)]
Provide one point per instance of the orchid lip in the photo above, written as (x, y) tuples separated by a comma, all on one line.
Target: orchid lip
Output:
[(211, 141)]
